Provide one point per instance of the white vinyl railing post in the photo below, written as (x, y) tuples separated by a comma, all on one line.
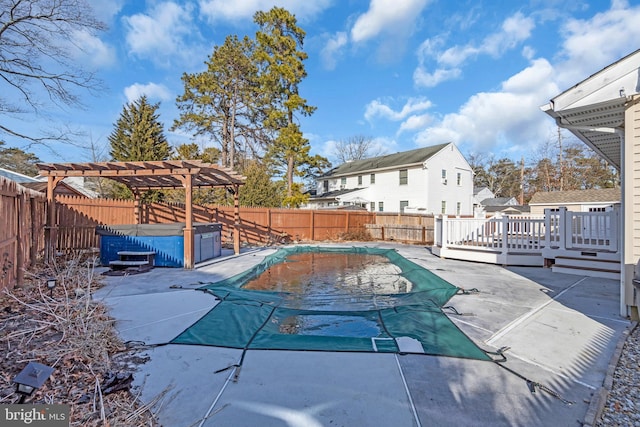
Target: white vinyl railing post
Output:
[(613, 230), (504, 224), (443, 235), (565, 229)]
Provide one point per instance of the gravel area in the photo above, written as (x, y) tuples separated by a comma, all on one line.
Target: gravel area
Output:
[(622, 407)]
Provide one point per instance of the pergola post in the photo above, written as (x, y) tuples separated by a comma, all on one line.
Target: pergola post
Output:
[(136, 206), (236, 219), (51, 229), (188, 228)]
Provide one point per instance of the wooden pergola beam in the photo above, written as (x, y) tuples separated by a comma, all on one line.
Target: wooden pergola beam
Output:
[(144, 176)]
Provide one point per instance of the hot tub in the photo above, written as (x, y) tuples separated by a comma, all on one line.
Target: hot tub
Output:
[(166, 240)]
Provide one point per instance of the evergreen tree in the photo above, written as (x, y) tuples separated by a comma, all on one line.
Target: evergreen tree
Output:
[(280, 61), (139, 135), (221, 102), (260, 190), (17, 160)]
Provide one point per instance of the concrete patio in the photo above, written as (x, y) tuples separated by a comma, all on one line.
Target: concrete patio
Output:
[(562, 331)]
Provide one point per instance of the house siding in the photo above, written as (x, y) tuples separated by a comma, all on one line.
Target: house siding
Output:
[(423, 193)]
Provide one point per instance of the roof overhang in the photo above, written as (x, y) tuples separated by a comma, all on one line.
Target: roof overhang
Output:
[(594, 109), (600, 126)]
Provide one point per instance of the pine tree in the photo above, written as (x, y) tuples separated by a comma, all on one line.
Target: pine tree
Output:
[(220, 102), (139, 135), (279, 57)]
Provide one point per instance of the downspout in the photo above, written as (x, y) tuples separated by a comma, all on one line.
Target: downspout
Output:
[(624, 309)]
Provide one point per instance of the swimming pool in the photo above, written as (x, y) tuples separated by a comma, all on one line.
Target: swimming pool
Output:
[(333, 299)]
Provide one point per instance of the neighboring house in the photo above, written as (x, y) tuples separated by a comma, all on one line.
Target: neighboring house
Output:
[(67, 187), (480, 194), (603, 112), (486, 203), (594, 200), (430, 180)]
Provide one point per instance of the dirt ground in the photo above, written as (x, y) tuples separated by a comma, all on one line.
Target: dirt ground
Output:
[(67, 330)]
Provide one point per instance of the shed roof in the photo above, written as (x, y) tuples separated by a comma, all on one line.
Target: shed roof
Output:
[(603, 195)]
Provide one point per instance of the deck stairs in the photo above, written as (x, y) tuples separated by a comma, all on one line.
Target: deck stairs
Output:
[(606, 265)]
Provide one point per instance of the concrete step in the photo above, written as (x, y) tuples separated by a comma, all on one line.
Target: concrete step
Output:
[(587, 271), (581, 262)]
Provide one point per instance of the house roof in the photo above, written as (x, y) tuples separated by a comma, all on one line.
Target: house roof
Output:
[(403, 158), (333, 194), (496, 201), (604, 195), (62, 188), (477, 190), (594, 109), (15, 176)]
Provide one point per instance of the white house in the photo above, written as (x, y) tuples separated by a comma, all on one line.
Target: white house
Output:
[(429, 180)]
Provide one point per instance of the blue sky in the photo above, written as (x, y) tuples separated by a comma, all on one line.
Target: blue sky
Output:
[(407, 73)]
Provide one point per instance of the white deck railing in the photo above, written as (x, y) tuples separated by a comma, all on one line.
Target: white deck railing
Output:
[(582, 230), (495, 234), (521, 236)]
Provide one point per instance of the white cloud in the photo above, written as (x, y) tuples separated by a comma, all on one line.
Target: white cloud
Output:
[(333, 50), (422, 78), (514, 30), (386, 16), (151, 90), (243, 10), (105, 10), (92, 50), (160, 34), (377, 108), (415, 122), (592, 44), (489, 121)]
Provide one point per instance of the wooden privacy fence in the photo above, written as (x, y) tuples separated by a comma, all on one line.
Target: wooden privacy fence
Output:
[(78, 217), (22, 220)]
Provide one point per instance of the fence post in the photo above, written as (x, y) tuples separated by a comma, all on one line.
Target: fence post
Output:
[(443, 231), (312, 225), (565, 232), (504, 224), (614, 217)]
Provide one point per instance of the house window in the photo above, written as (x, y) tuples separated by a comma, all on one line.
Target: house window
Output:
[(343, 182), (459, 179), (380, 206), (444, 176), (325, 186), (458, 208), (444, 207), (403, 204), (597, 209), (373, 178), (404, 177), (372, 206), (359, 179)]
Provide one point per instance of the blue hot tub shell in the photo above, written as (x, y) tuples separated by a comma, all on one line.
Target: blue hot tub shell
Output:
[(166, 240)]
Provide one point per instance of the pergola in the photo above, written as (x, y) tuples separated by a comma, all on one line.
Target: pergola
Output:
[(143, 176)]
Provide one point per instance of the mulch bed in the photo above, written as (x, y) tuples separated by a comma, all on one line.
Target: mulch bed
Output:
[(67, 330)]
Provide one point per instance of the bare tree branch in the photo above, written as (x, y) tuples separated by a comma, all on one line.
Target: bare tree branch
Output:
[(37, 68)]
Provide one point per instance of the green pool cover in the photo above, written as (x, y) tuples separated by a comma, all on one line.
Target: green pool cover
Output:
[(410, 320)]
